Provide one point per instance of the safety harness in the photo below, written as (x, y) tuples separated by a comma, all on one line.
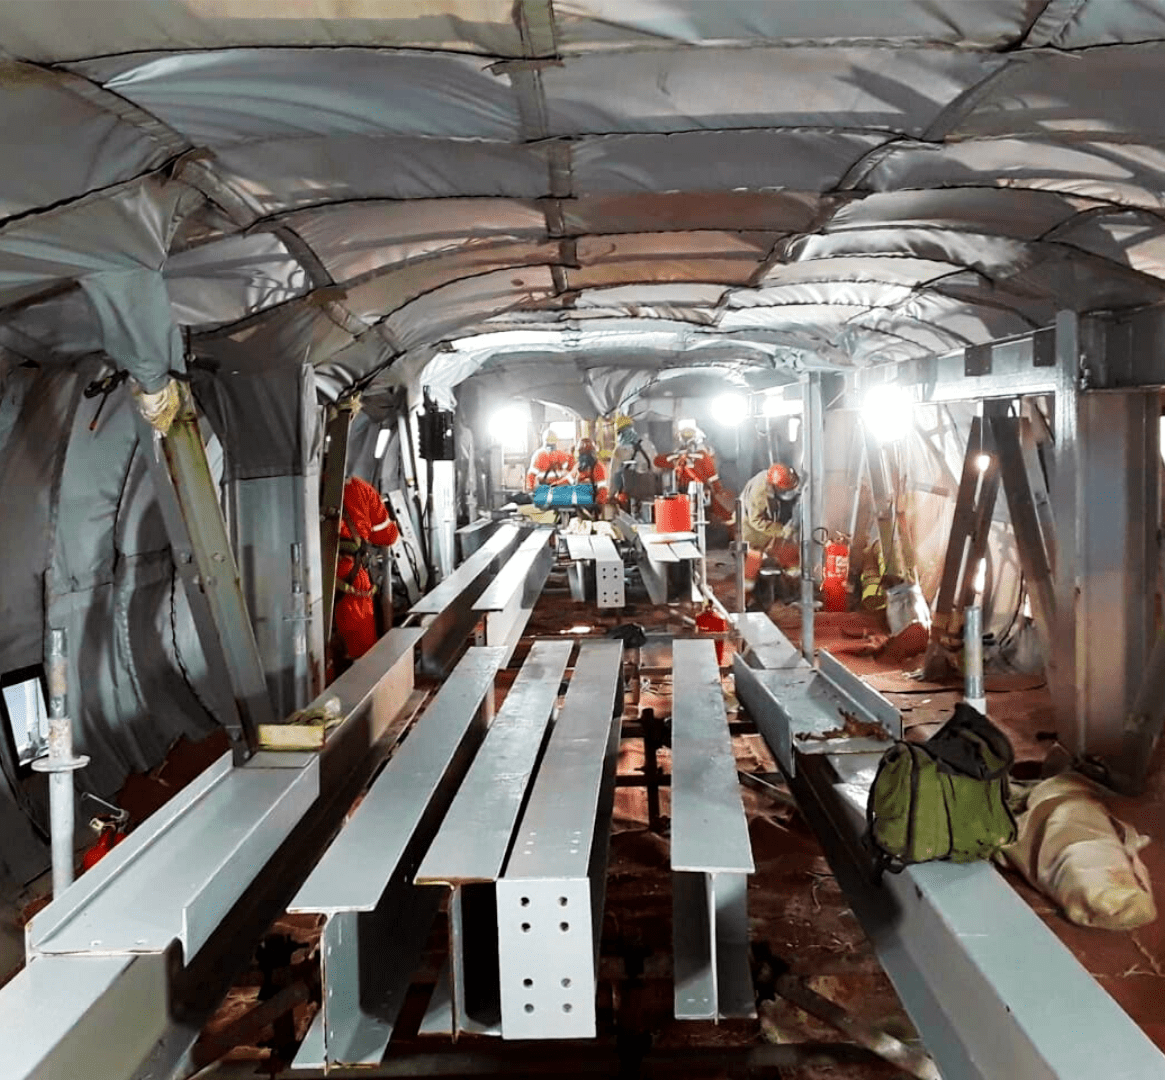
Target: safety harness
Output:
[(356, 549)]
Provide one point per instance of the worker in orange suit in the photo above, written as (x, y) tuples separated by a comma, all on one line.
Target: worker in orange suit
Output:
[(591, 470), (365, 521), (549, 465), (695, 462)]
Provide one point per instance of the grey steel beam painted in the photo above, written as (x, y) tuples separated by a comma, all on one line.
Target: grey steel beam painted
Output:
[(550, 898), (469, 851), (504, 608), (990, 988), (377, 917), (333, 475), (609, 587), (470, 537), (446, 611), (1009, 368), (711, 855), (871, 704), (223, 920), (765, 645), (68, 1017), (188, 499), (179, 872)]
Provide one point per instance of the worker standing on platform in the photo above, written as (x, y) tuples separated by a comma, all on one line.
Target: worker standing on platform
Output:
[(695, 462), (365, 521), (771, 524), (549, 465), (632, 464)]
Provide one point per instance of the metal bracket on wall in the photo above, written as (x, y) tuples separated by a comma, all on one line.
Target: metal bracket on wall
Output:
[(550, 899)]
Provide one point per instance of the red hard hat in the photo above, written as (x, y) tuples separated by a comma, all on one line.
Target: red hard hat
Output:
[(783, 477)]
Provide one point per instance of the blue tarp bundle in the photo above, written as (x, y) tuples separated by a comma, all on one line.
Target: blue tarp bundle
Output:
[(546, 495)]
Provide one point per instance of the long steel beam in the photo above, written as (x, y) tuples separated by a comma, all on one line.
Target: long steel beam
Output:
[(377, 918), (711, 854), (469, 852), (991, 989), (129, 962), (550, 898)]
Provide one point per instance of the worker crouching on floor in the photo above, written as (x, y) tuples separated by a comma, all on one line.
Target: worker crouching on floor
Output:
[(695, 462), (771, 527), (549, 465), (365, 521)]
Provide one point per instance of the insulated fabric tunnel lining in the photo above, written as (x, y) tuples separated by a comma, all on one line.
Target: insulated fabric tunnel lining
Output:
[(744, 189)]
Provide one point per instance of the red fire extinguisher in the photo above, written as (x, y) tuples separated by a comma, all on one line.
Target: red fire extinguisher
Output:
[(835, 582)]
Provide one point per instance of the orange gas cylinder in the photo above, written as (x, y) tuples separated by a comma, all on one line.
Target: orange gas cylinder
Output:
[(673, 513), (835, 580)]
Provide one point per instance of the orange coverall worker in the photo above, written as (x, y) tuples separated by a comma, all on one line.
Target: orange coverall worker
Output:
[(549, 465), (591, 470), (699, 465), (365, 513)]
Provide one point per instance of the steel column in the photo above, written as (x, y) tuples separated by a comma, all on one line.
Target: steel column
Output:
[(188, 499), (60, 763), (813, 437), (334, 472), (1012, 435), (273, 526), (1106, 501)]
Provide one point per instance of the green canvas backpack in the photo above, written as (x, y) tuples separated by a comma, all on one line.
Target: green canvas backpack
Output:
[(945, 798)]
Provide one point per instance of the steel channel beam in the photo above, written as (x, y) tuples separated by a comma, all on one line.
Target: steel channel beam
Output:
[(446, 611), (377, 918), (1011, 371), (765, 645), (176, 875), (188, 499), (469, 852), (550, 898), (117, 1009), (59, 1014), (990, 988), (333, 474), (711, 854), (869, 702), (504, 608)]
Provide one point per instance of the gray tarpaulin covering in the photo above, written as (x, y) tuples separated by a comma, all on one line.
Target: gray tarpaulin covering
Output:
[(562, 195)]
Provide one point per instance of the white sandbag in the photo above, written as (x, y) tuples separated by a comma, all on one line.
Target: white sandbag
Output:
[(1075, 852), (906, 605)]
